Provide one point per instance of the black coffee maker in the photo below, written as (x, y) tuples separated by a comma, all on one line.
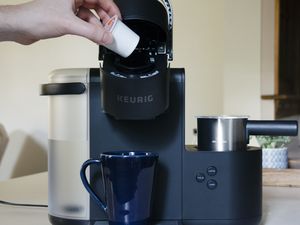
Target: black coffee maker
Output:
[(137, 104)]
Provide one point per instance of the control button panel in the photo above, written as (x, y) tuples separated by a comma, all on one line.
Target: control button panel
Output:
[(200, 177), (211, 171), (205, 177), (212, 184)]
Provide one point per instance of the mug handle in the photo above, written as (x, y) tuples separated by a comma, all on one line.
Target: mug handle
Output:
[(86, 184)]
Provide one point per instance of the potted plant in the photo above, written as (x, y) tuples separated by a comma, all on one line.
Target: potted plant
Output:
[(274, 151)]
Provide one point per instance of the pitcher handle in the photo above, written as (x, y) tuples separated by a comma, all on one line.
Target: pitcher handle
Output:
[(86, 184)]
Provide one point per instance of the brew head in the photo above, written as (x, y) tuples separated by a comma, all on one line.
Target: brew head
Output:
[(137, 87)]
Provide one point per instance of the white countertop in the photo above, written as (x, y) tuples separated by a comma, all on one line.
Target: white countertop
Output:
[(29, 189), (281, 205)]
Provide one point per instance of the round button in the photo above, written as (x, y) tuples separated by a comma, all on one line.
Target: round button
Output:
[(212, 184), (211, 171), (200, 177)]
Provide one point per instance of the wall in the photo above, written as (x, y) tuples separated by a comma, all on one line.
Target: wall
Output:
[(268, 58), (242, 36), (22, 111), (217, 41), (198, 46)]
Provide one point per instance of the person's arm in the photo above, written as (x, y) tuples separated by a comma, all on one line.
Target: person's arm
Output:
[(41, 19), (8, 24)]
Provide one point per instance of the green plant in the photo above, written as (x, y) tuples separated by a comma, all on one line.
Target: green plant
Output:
[(273, 141)]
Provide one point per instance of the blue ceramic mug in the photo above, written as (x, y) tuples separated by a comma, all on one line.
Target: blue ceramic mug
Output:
[(128, 179)]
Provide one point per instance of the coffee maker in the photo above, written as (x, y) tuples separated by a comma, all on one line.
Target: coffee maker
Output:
[(137, 103)]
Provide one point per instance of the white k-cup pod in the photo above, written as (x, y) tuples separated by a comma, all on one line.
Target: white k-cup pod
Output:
[(124, 39)]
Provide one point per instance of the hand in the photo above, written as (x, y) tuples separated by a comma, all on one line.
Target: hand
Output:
[(42, 19)]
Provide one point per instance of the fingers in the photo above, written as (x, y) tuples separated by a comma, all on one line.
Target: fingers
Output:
[(88, 16), (108, 6), (103, 15), (88, 25), (78, 3)]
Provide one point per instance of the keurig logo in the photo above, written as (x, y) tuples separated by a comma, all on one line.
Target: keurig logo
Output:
[(135, 99)]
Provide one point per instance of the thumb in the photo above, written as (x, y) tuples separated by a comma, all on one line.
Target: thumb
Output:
[(92, 31)]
